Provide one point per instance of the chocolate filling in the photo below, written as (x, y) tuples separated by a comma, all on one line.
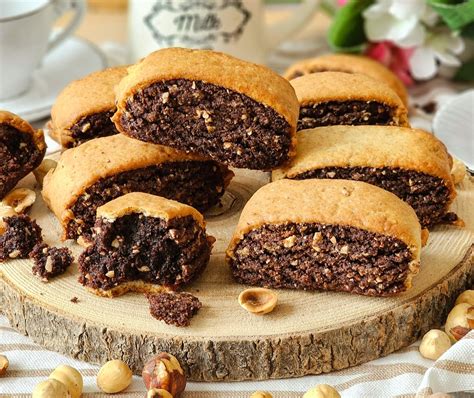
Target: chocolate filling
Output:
[(135, 247), (348, 112), (174, 308), (210, 120), (312, 256), (21, 235), (50, 261), (428, 195), (198, 184), (18, 155), (92, 126)]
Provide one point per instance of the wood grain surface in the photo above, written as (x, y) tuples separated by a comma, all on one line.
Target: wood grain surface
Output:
[(308, 333)]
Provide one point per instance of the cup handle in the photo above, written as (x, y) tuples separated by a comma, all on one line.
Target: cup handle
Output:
[(280, 31), (62, 6)]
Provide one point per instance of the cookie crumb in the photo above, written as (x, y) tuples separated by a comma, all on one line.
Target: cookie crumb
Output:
[(174, 308), (21, 235), (74, 300), (50, 261)]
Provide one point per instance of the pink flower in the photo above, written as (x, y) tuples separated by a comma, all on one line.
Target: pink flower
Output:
[(394, 58), (341, 3)]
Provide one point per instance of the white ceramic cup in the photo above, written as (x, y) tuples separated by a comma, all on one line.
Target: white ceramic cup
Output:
[(236, 27), (26, 36)]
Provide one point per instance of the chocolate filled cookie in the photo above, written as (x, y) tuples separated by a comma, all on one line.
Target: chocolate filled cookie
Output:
[(22, 149), (411, 163), (103, 169), (83, 109), (332, 235), (335, 98), (144, 243), (349, 63), (238, 113)]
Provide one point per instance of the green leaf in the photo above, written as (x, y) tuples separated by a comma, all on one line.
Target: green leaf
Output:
[(456, 14), (347, 29), (466, 71)]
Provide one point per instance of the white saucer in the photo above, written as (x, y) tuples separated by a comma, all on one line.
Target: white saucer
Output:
[(72, 60), (454, 125)]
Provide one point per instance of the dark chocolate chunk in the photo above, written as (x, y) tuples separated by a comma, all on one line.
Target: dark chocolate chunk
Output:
[(209, 120), (21, 235), (50, 261), (92, 126), (428, 195), (313, 256), (195, 183), (135, 247), (174, 308), (347, 112), (18, 155)]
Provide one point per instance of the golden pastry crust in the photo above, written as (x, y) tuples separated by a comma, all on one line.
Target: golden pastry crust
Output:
[(80, 167), (255, 81), (322, 87), (336, 202), (92, 94), (148, 205), (369, 146), (130, 286), (18, 123), (350, 63)]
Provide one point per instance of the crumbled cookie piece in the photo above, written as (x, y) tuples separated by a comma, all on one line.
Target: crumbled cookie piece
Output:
[(174, 308), (50, 261), (74, 300), (20, 236)]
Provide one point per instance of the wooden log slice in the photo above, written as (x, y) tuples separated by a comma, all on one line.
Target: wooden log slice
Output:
[(308, 332)]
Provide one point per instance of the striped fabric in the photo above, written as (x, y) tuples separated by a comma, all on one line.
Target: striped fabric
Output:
[(402, 374)]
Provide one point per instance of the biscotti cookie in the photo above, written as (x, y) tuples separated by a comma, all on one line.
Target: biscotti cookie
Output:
[(333, 235), (210, 103), (83, 109), (22, 149), (411, 163), (334, 98), (349, 63), (144, 243), (102, 169)]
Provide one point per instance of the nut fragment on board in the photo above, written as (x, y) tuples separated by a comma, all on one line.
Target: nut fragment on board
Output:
[(51, 388), (42, 170), (5, 211), (460, 321), (20, 199), (164, 372), (434, 344), (261, 394), (70, 377), (465, 297), (158, 393), (458, 171), (3, 364), (258, 300), (322, 391), (114, 376)]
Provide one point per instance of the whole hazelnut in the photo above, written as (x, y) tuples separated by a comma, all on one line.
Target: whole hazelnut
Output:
[(465, 297), (20, 199), (164, 371), (258, 300), (114, 376), (460, 321), (261, 394), (70, 377), (42, 170), (3, 364), (322, 391), (51, 388), (158, 393), (434, 344)]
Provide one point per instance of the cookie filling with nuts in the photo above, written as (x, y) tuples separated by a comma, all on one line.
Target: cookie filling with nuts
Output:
[(91, 126), (349, 112), (50, 261), (209, 120), (144, 242), (174, 308), (19, 155), (197, 183), (428, 195), (313, 256), (20, 236)]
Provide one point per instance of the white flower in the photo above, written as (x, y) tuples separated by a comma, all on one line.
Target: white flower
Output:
[(440, 48), (399, 21)]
